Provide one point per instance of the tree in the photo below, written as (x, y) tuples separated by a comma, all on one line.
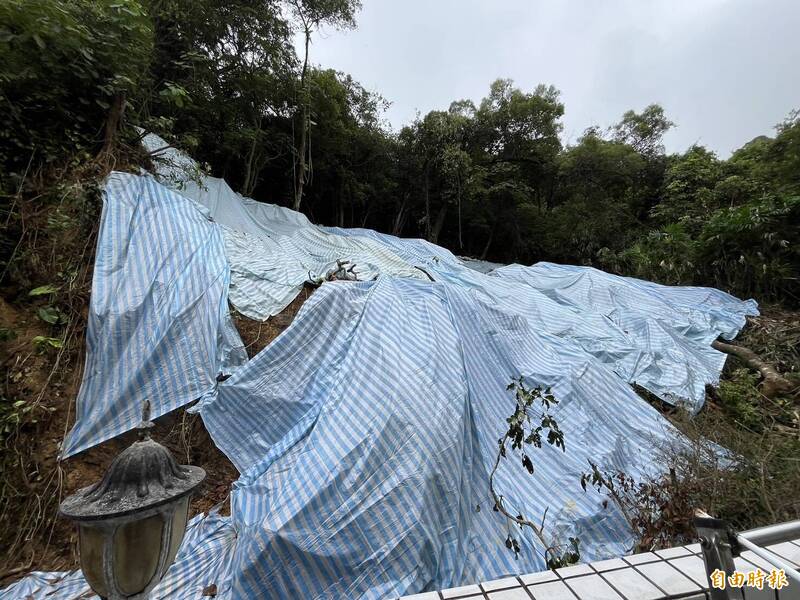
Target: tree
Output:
[(785, 153), (65, 70), (595, 205), (516, 143), (441, 143), (311, 14), (353, 153), (688, 187), (644, 131), (529, 426), (221, 79)]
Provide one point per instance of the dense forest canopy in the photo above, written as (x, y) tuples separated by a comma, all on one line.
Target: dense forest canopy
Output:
[(494, 180)]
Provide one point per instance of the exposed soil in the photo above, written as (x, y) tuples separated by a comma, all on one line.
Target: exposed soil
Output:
[(257, 335), (33, 482)]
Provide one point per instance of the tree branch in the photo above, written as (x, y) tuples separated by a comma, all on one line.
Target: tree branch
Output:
[(498, 502)]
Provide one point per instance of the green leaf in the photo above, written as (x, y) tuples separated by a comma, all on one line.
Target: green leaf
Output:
[(41, 342), (43, 290), (49, 314)]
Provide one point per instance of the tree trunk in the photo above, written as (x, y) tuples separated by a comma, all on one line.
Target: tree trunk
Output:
[(340, 211), (488, 243), (437, 227), (400, 218), (460, 240), (250, 172), (352, 213), (366, 215), (773, 384), (427, 208), (300, 171), (112, 123)]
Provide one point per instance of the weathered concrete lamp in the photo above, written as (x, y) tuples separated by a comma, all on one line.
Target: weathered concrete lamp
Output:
[(131, 523)]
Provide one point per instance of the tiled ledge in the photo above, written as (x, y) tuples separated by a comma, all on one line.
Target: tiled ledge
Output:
[(665, 574)]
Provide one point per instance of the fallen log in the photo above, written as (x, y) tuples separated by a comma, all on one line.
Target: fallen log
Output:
[(773, 384)]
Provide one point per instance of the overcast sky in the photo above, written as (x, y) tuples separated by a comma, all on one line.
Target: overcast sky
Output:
[(724, 70)]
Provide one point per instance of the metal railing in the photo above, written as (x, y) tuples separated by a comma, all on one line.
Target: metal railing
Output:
[(720, 544)]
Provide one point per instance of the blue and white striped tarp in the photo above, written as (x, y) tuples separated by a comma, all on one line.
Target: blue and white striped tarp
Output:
[(365, 433), (272, 250), (652, 335), (159, 326)]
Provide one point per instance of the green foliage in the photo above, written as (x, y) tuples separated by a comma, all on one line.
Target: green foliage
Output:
[(61, 64), (337, 13), (43, 343), (754, 248), (488, 179), (12, 415), (783, 156), (749, 249), (668, 256), (44, 290), (688, 187), (644, 131), (739, 396), (174, 94), (220, 84), (521, 429), (351, 154), (571, 555)]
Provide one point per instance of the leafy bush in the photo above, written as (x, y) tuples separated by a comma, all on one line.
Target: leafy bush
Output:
[(666, 256), (61, 64), (752, 249), (739, 397)]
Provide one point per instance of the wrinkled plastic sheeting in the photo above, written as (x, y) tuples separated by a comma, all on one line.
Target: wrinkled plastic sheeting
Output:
[(158, 326), (652, 335), (366, 432), (699, 313), (671, 327), (273, 251), (656, 336), (204, 560)]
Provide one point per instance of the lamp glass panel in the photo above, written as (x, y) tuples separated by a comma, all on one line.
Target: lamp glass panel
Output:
[(178, 525), (137, 547), (90, 542)]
